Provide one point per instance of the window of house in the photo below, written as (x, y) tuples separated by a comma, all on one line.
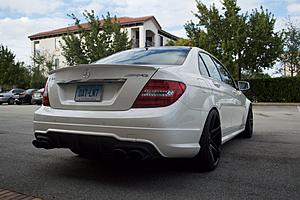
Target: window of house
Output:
[(56, 43), (211, 67), (161, 41), (56, 63), (36, 48)]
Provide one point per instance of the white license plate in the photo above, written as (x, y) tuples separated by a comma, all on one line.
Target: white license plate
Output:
[(88, 93)]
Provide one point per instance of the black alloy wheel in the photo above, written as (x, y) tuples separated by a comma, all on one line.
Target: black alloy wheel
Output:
[(209, 155), (10, 101)]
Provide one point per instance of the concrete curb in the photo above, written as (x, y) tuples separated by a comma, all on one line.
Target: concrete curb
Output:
[(275, 104)]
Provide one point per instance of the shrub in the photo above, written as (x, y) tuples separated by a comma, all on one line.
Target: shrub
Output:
[(283, 89)]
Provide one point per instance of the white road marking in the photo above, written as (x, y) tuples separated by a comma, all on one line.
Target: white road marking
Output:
[(298, 107)]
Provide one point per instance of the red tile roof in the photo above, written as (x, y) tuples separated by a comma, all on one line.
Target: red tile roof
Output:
[(74, 28)]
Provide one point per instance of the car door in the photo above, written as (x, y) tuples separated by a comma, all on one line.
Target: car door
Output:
[(220, 93), (236, 102)]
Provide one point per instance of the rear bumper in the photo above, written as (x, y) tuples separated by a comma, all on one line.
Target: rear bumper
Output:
[(174, 131), (96, 145)]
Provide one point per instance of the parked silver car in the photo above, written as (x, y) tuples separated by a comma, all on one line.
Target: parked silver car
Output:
[(8, 97)]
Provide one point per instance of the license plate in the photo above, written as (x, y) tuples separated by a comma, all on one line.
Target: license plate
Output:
[(88, 93)]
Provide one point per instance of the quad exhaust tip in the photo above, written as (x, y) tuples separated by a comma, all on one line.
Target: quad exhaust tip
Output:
[(134, 154), (43, 143)]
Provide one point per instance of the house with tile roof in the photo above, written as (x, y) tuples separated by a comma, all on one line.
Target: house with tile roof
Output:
[(144, 31)]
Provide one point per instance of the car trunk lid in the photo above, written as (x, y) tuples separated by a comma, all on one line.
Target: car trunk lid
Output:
[(98, 86)]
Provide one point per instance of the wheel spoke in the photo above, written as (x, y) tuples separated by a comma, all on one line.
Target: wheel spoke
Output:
[(214, 132), (215, 148), (212, 122), (211, 154)]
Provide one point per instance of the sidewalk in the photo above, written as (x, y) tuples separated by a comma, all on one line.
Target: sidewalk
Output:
[(275, 104), (7, 194)]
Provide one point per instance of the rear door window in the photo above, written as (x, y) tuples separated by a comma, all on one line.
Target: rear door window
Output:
[(226, 78), (202, 67), (211, 67)]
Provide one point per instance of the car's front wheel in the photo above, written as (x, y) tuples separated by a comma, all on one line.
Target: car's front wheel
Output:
[(10, 101), (209, 155)]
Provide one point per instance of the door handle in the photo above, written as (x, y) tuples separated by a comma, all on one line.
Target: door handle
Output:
[(236, 92), (216, 84)]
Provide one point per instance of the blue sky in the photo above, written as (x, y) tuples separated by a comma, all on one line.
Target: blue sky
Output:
[(20, 18)]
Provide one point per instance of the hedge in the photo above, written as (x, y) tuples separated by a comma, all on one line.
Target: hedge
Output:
[(283, 89)]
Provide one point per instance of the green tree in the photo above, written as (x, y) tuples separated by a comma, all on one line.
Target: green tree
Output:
[(12, 73), (245, 43), (43, 64), (99, 39), (180, 42), (291, 54)]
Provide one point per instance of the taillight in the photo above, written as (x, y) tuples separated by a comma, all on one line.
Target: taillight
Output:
[(159, 93), (45, 100)]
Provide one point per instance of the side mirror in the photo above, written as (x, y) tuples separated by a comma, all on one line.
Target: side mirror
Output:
[(243, 85)]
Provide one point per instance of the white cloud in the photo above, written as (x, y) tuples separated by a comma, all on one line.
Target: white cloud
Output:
[(294, 8), (31, 6), (14, 33), (281, 22), (171, 15)]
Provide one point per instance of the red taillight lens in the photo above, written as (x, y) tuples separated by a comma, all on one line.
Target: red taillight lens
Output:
[(45, 100), (159, 93)]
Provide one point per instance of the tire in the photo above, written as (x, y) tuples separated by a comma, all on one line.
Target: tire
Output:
[(248, 132), (10, 101), (19, 103), (209, 155)]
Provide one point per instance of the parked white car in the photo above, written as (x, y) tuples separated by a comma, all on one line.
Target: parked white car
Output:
[(174, 102)]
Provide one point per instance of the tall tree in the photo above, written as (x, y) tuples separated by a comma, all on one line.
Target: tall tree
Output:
[(291, 54), (245, 43), (43, 63), (12, 73), (99, 39)]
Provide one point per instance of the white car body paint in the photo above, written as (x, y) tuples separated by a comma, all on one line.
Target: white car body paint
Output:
[(173, 130)]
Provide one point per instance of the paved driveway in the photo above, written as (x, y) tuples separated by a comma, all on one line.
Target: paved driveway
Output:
[(264, 167)]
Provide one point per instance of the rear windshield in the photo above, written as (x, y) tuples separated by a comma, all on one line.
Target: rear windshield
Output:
[(150, 56)]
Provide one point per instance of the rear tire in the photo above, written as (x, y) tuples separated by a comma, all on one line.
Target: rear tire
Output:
[(209, 155), (19, 103), (248, 132)]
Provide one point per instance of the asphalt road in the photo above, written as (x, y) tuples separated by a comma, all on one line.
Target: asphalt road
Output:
[(264, 167)]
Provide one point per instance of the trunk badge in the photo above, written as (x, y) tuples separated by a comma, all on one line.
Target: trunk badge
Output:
[(86, 74)]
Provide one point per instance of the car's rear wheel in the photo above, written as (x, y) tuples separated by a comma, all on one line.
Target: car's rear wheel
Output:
[(248, 132), (19, 102), (210, 142), (10, 101)]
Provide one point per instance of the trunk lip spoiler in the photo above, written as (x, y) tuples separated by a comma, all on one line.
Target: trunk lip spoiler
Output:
[(120, 80), (104, 65)]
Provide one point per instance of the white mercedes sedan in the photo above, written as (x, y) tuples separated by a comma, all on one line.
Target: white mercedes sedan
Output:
[(173, 102)]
